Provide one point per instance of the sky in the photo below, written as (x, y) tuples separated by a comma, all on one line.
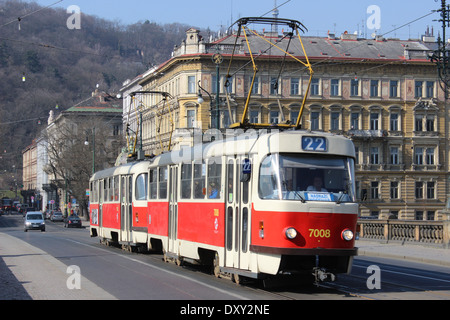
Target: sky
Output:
[(365, 17)]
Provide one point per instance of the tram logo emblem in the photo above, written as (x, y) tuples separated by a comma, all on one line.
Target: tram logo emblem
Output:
[(216, 225)]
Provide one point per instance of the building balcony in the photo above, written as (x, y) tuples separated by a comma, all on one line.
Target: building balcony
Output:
[(367, 134)]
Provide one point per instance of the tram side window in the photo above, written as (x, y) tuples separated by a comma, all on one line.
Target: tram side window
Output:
[(105, 189), (199, 180), (111, 189), (95, 191), (141, 186), (116, 188), (186, 180), (91, 192), (123, 191), (153, 183), (163, 175), (214, 175)]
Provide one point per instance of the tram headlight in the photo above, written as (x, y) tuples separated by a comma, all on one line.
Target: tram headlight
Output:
[(347, 235), (291, 233)]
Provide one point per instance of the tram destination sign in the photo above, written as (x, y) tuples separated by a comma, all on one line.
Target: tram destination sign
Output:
[(318, 144)]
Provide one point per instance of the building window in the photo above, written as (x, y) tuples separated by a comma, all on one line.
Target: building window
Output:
[(431, 186), (191, 84), (429, 157), (419, 215), (254, 116), (418, 91), (418, 123), (374, 88), (294, 116), (394, 155), (335, 119), (394, 190), (430, 215), (315, 119), (374, 155), (274, 86), (374, 120), (116, 130), (394, 122), (255, 89), (274, 117), (226, 121), (418, 155), (354, 121), (315, 87), (430, 89), (354, 88), (190, 119), (393, 89), (374, 190), (295, 85), (419, 189), (334, 87), (430, 124)]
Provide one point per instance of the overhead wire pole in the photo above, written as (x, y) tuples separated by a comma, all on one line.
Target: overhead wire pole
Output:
[(441, 55), (441, 58)]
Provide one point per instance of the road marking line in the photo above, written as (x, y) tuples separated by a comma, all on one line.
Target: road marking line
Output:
[(167, 271)]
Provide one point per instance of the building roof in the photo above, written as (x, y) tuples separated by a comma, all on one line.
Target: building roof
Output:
[(99, 102), (343, 47), (347, 47)]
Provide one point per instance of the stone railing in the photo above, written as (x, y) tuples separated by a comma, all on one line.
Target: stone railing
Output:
[(432, 232)]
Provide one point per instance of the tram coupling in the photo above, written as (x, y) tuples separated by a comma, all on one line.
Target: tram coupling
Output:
[(321, 275)]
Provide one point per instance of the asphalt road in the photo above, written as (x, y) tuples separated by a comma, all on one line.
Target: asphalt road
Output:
[(131, 276)]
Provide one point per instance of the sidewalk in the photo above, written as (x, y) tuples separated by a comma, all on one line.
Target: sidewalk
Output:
[(28, 273), (408, 251)]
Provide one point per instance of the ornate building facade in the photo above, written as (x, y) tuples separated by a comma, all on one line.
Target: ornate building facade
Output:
[(382, 93)]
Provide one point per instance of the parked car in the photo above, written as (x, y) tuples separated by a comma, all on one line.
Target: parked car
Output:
[(72, 221), (23, 209), (34, 221), (57, 216)]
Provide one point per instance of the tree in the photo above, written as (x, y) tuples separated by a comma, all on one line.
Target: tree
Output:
[(70, 160)]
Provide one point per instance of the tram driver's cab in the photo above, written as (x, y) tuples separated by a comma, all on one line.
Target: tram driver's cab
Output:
[(306, 178)]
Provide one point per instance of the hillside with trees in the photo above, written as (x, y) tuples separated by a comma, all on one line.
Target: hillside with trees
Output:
[(46, 66)]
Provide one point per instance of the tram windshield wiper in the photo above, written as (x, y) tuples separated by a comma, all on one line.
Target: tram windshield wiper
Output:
[(341, 197)]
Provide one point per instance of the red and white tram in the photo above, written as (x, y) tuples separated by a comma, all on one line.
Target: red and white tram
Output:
[(256, 205)]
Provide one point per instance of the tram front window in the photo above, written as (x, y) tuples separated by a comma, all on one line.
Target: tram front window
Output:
[(301, 177)]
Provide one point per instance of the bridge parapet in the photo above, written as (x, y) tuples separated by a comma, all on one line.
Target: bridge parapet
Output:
[(431, 232)]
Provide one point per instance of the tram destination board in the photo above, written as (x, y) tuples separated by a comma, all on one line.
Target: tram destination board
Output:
[(318, 144)]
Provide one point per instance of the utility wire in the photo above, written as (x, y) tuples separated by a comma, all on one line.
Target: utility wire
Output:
[(31, 13)]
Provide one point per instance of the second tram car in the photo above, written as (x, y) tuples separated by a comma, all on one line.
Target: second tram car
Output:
[(255, 205)]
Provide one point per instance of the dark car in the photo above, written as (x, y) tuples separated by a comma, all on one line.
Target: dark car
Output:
[(72, 221)]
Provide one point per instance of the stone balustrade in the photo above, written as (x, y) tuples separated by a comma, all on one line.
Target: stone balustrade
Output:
[(432, 232)]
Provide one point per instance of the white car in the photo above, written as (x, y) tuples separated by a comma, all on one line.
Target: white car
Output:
[(57, 216), (34, 221)]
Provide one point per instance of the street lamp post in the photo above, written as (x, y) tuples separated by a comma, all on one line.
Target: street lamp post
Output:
[(93, 149), (211, 104)]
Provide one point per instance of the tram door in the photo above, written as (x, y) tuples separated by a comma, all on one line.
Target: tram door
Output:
[(173, 207), (237, 216), (126, 207), (101, 191)]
